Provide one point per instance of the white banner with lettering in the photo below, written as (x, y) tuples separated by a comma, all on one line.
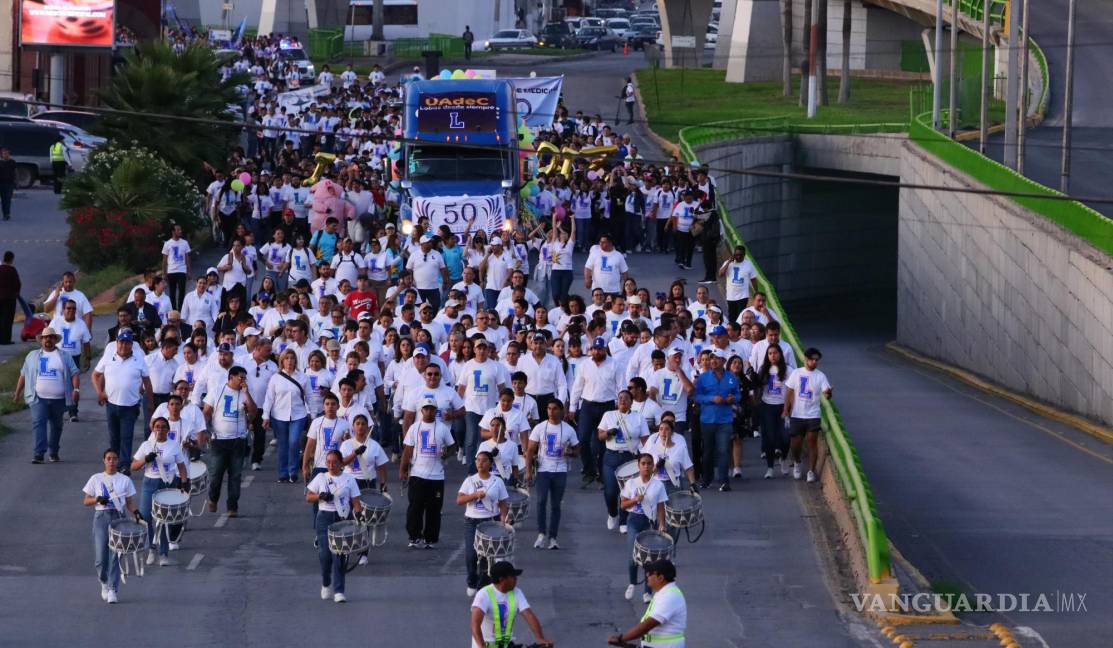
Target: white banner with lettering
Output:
[(537, 99), (489, 212), (297, 101)]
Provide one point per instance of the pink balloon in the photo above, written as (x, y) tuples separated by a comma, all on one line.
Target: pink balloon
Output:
[(558, 211), (245, 178)]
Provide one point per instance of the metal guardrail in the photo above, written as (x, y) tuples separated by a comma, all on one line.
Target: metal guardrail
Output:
[(848, 467)]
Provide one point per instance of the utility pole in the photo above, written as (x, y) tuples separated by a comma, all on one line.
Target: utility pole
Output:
[(937, 72), (952, 109), (1022, 107), (814, 40), (983, 120), (1011, 88), (1068, 99)]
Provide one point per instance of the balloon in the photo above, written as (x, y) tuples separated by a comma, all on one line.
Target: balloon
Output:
[(458, 74), (245, 178), (237, 185), (446, 73), (471, 74), (533, 75), (534, 189), (591, 175), (558, 211)]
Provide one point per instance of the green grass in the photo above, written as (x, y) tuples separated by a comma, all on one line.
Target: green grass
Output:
[(678, 98), (9, 374), (95, 282)]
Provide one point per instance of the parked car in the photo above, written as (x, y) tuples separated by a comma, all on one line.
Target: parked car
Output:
[(621, 27), (30, 146), (642, 35), (14, 103), (559, 35), (81, 119), (573, 23), (597, 38), (636, 23), (511, 39), (592, 21), (77, 142), (609, 13)]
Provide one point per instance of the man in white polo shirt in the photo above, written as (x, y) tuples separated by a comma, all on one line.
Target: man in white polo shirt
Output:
[(227, 410), (605, 268), (121, 379), (430, 272)]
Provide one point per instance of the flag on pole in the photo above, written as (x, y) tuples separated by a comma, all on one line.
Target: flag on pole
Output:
[(236, 37)]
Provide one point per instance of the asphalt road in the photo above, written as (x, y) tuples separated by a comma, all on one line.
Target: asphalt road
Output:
[(753, 579), (37, 234), (975, 491)]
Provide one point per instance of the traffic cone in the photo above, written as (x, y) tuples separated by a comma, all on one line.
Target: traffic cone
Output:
[(626, 48)]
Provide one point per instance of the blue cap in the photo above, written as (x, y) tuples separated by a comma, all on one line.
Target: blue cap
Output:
[(718, 330), (225, 348), (125, 335), (599, 343)]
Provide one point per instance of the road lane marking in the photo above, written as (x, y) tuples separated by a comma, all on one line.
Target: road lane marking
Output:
[(196, 561), (247, 481), (447, 567), (221, 521)]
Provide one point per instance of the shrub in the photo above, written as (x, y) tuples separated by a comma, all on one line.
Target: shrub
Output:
[(122, 206)]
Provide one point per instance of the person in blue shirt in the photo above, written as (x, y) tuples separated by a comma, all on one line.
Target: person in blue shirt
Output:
[(716, 391)]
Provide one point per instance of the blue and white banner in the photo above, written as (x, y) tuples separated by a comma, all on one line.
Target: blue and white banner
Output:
[(537, 99)]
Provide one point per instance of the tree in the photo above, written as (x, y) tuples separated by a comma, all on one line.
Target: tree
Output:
[(807, 41), (377, 20), (844, 79), (821, 52), (154, 79), (786, 45)]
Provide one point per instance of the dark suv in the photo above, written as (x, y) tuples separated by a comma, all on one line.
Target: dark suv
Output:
[(557, 35), (30, 146)]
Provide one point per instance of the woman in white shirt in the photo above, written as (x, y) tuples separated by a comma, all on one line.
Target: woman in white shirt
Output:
[(486, 499), (300, 262), (111, 493), (774, 440), (285, 409), (319, 380), (336, 495), (622, 430), (504, 451), (558, 252), (672, 463), (235, 267), (643, 498), (164, 466)]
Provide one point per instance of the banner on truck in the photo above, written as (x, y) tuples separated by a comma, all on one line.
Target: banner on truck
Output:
[(488, 212), (537, 99)]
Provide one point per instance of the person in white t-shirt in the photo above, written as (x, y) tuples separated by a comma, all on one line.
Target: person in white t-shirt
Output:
[(741, 277), (175, 265), (643, 498), (365, 460), (552, 442), (804, 392), (112, 495), (485, 496), (164, 466), (479, 381), (494, 608), (67, 290), (426, 444), (667, 614), (623, 431), (429, 270), (336, 495), (605, 268)]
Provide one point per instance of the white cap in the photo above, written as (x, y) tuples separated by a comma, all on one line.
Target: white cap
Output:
[(249, 331), (634, 299), (496, 241), (428, 402), (719, 353)]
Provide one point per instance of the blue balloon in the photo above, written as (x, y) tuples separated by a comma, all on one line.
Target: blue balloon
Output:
[(534, 190), (445, 73)]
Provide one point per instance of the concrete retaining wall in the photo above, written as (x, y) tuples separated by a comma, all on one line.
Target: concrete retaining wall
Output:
[(991, 287)]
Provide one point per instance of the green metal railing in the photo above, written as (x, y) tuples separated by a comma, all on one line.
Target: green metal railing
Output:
[(786, 124), (848, 467), (449, 46), (326, 44)]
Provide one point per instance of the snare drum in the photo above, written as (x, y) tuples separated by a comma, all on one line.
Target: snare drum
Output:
[(126, 537), (170, 506), (347, 537), (517, 505), (683, 510), (625, 473), (198, 478), (652, 545), (494, 541), (373, 515)]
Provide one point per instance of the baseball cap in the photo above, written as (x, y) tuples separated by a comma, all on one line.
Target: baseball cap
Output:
[(421, 350), (538, 337), (249, 331), (123, 335), (211, 271), (496, 241), (718, 330), (452, 303), (425, 238), (599, 343), (332, 345), (327, 333), (634, 299), (391, 226), (428, 402), (366, 315), (675, 350), (225, 348), (661, 295), (174, 315), (719, 353), (503, 569)]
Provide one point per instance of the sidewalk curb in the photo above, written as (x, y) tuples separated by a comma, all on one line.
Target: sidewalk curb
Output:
[(1093, 429)]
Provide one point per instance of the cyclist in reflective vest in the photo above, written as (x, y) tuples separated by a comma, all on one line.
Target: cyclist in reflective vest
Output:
[(495, 607), (664, 621), (58, 164)]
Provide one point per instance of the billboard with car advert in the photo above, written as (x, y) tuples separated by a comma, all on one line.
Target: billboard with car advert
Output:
[(72, 23)]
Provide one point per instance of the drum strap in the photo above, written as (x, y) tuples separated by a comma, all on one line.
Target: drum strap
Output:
[(502, 637), (659, 638)]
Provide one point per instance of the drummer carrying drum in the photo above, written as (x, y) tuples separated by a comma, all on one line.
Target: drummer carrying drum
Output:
[(666, 619), (336, 495), (623, 431), (644, 499), (164, 466), (485, 496), (111, 493), (365, 460)]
